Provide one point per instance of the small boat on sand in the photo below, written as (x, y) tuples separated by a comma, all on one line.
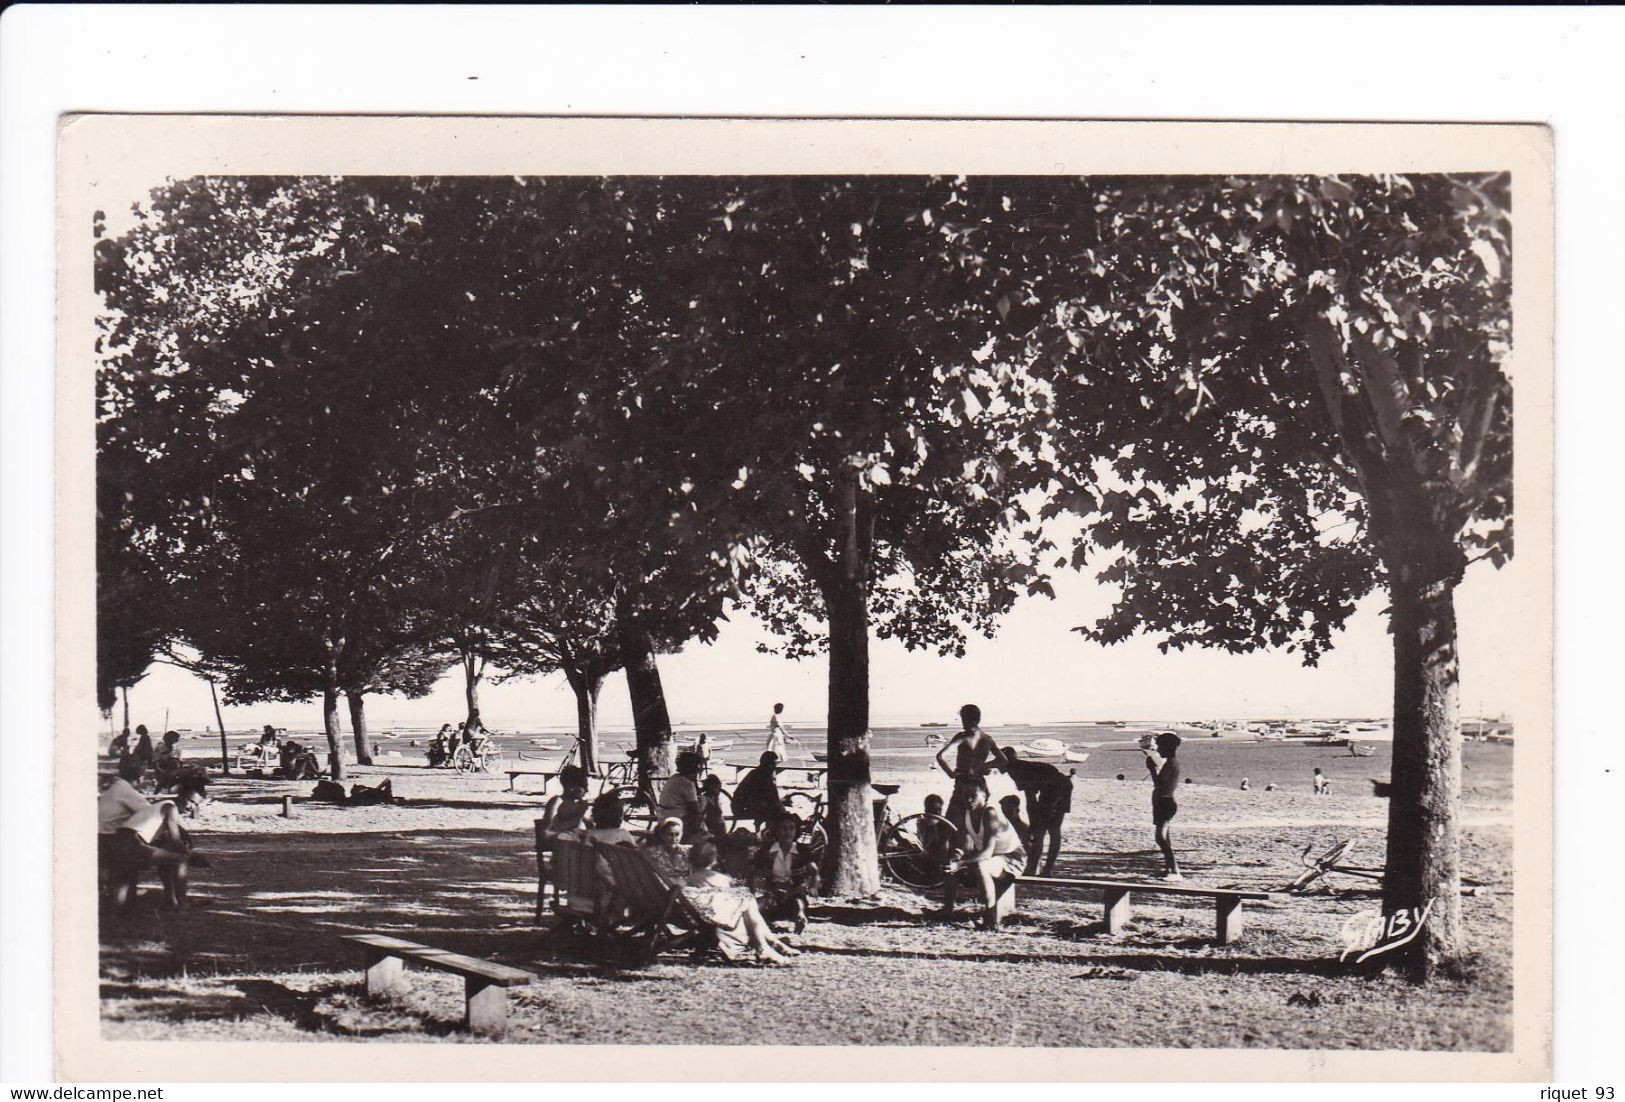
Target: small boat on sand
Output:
[(1043, 748), (545, 743), (1076, 756), (1360, 750)]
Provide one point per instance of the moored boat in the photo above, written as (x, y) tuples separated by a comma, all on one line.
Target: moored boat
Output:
[(1043, 748)]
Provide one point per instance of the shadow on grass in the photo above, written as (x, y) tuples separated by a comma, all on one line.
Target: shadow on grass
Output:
[(1135, 962)]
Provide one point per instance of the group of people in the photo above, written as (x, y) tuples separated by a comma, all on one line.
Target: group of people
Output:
[(992, 845), (135, 833), (688, 851), (470, 733), (293, 760), (164, 759)]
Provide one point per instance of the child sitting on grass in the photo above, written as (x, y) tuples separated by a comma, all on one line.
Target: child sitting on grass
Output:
[(783, 875)]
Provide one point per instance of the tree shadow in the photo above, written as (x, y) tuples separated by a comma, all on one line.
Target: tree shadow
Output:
[(1133, 962), (849, 914)]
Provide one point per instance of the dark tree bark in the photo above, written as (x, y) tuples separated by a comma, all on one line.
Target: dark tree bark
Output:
[(650, 719), (586, 686), (473, 671), (1416, 532), (1423, 867), (225, 753), (358, 727), (124, 691), (853, 867), (330, 723)]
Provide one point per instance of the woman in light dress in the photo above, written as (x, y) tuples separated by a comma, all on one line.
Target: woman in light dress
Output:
[(732, 909)]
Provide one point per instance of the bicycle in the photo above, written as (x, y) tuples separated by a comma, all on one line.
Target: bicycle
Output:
[(471, 759), (913, 850)]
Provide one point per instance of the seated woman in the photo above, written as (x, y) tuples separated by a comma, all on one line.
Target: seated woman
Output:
[(783, 875), (608, 815), (680, 796), (667, 853), (134, 834), (166, 763), (562, 817), (731, 909), (120, 746), (440, 747)]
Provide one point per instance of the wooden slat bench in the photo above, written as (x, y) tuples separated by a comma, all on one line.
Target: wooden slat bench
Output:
[(485, 984), (1119, 895), (546, 775)]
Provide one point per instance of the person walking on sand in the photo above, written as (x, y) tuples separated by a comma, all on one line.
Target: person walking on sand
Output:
[(1163, 766), (778, 737), (1322, 785), (975, 753)]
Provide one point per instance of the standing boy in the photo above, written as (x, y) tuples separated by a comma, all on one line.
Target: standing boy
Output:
[(1164, 769)]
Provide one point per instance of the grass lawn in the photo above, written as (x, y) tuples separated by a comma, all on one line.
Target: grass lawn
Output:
[(259, 958)]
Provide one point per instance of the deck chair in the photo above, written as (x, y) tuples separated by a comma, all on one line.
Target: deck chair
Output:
[(544, 846), (575, 885), (655, 916)]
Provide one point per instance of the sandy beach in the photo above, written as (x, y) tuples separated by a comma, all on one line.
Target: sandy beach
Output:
[(453, 865)]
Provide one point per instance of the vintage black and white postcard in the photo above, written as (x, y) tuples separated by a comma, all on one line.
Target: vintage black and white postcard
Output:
[(1002, 600)]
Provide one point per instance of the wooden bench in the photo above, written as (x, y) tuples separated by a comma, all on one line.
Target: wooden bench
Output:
[(1119, 896), (485, 984), (546, 775)]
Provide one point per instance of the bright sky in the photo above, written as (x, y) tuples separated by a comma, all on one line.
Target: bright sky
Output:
[(1035, 670)]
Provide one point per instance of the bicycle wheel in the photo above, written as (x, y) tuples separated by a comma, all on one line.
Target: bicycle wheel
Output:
[(464, 762), (912, 850)]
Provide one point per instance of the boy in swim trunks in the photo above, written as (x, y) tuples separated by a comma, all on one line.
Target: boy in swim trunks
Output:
[(1164, 769), (975, 753)]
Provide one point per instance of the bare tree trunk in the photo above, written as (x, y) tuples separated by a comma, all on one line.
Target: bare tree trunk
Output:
[(1423, 861), (853, 867), (473, 671), (650, 719), (124, 690), (586, 687), (358, 727), (225, 752), (330, 724)]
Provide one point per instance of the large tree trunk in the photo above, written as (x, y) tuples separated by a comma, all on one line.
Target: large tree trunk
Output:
[(853, 867), (358, 727), (650, 719), (473, 671), (330, 722), (124, 690), (586, 687), (1423, 865)]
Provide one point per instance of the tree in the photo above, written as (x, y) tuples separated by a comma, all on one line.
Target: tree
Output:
[(1297, 387), (561, 625), (283, 383), (825, 394)]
